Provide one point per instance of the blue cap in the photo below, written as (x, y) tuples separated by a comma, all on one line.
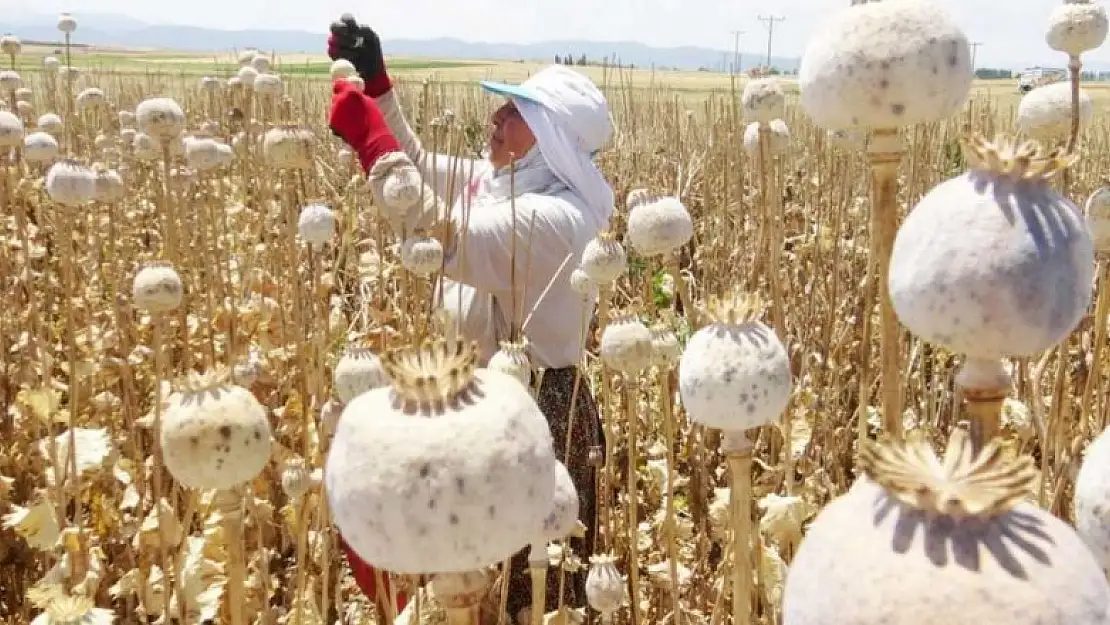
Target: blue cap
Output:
[(516, 91)]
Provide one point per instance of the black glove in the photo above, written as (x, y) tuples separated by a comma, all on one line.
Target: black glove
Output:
[(360, 45)]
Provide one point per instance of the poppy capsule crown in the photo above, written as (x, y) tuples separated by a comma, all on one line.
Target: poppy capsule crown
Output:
[(432, 375)]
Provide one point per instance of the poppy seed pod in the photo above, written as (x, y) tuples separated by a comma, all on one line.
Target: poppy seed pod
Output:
[(778, 139), (289, 147), (422, 254), (763, 100), (146, 147), (638, 197), (215, 434), (442, 454), (260, 63), (316, 225), (626, 345), (994, 262), (885, 65), (665, 346), (1077, 26), (90, 99), (922, 540), (11, 130), (51, 64), (1097, 212), (659, 227), (10, 80), (359, 370), (160, 118), (51, 123), (201, 154), (342, 68), (734, 374), (246, 76), (157, 287), (581, 283), (40, 147), (10, 45), (1092, 499), (67, 24), (604, 259), (512, 360), (1045, 113), (70, 183), (109, 186), (605, 587), (269, 85), (563, 517)]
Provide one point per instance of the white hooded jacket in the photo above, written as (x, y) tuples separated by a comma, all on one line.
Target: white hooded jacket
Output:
[(562, 202)]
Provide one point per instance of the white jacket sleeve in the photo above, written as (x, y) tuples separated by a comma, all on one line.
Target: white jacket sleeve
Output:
[(445, 174), (546, 231)]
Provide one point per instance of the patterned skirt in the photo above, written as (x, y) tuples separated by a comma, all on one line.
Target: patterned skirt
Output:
[(572, 416)]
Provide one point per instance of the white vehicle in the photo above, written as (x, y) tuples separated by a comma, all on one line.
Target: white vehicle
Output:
[(1039, 76)]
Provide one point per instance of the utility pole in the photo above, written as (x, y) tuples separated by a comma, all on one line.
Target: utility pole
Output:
[(974, 52), (736, 50), (770, 33)]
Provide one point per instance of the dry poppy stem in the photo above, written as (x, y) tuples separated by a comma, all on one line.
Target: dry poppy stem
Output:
[(670, 532), (772, 213), (537, 567), (1102, 309), (737, 448), (885, 153), (633, 494)]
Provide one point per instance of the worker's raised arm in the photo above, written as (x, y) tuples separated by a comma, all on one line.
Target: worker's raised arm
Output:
[(445, 174)]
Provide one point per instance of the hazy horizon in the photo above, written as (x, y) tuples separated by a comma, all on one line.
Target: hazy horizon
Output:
[(1012, 33)]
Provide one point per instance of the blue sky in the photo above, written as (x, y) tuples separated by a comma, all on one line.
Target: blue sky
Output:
[(1011, 30)]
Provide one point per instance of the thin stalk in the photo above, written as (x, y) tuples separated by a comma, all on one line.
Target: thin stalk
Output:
[(1102, 309), (670, 531), (537, 567), (633, 494), (737, 448), (1075, 65), (984, 384), (885, 154)]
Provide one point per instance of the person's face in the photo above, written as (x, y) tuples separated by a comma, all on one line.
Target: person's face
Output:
[(510, 136)]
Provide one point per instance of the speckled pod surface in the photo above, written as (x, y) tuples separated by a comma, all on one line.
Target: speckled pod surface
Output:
[(1092, 499), (734, 377), (868, 559), (561, 519), (1075, 28), (659, 227), (442, 492), (990, 267), (778, 139), (11, 130), (885, 65), (1045, 112), (763, 100), (1097, 212), (216, 439)]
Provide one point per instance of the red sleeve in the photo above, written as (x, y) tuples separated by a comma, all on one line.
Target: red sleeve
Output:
[(366, 578)]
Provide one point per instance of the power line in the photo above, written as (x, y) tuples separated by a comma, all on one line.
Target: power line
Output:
[(736, 49), (771, 33), (974, 52)]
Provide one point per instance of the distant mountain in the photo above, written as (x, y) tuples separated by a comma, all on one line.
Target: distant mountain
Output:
[(122, 31)]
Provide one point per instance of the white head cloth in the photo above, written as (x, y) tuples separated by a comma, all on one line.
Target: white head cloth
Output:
[(570, 119)]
